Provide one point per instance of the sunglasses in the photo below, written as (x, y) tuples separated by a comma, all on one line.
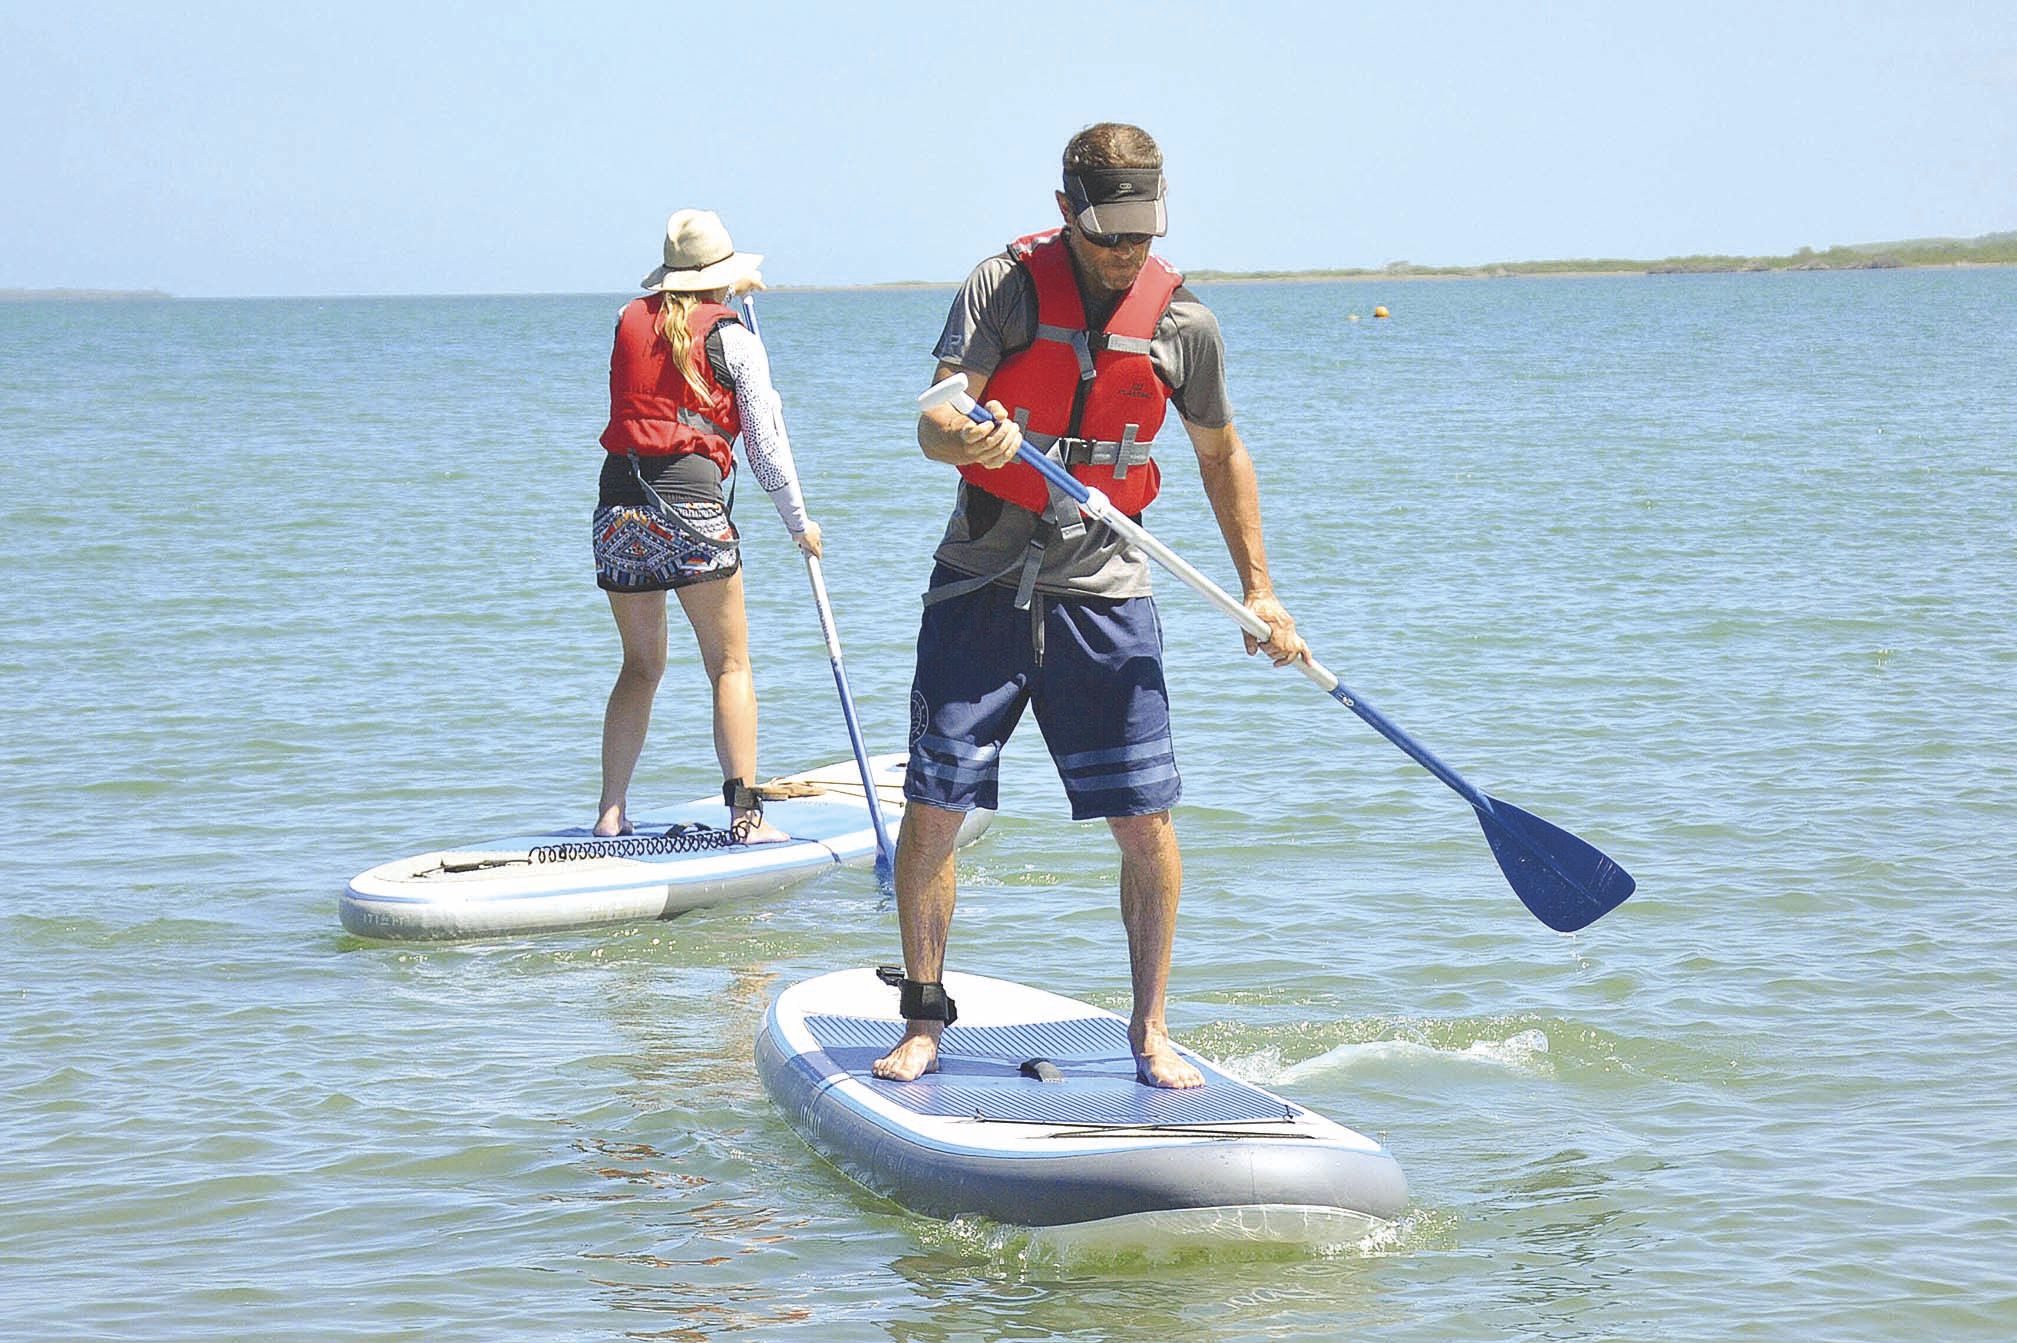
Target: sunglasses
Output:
[(1109, 241)]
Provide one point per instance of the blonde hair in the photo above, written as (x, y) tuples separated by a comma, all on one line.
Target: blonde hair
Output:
[(675, 324)]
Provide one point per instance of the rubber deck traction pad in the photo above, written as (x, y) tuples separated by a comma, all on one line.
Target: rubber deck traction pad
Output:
[(978, 1076)]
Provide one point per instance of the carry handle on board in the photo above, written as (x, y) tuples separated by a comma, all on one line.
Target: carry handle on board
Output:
[(1565, 881)]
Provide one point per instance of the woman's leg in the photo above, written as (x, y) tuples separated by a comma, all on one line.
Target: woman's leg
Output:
[(640, 622), (719, 625)]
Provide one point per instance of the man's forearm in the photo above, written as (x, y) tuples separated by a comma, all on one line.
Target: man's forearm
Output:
[(1236, 503)]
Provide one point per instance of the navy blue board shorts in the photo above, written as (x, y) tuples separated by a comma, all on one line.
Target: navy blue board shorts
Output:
[(1093, 669)]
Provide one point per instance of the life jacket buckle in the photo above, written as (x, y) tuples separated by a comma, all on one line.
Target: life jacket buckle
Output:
[(1124, 451), (1128, 452)]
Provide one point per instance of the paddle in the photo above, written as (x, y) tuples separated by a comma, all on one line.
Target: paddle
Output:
[(1566, 882), (885, 852)]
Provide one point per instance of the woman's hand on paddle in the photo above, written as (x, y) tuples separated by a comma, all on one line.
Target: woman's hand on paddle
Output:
[(809, 539), (1286, 646)]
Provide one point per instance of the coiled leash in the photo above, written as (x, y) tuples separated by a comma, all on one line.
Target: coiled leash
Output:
[(685, 837)]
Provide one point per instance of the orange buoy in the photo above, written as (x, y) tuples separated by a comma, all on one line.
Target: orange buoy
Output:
[(1379, 312)]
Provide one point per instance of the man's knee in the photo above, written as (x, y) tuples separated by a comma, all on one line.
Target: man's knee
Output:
[(929, 832), (1152, 833)]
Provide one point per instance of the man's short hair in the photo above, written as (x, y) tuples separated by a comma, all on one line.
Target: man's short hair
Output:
[(1112, 144)]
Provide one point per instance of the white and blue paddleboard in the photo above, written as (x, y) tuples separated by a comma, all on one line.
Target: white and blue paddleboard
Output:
[(677, 860), (1092, 1148)]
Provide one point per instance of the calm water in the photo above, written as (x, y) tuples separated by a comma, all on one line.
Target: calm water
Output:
[(1719, 572)]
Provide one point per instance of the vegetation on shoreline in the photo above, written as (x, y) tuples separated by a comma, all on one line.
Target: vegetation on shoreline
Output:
[(1991, 249), (78, 295)]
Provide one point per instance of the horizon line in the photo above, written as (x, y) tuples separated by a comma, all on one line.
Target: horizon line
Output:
[(1530, 269)]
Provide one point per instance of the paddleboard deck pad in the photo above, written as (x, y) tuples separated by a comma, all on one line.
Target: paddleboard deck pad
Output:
[(986, 1135), (679, 859)]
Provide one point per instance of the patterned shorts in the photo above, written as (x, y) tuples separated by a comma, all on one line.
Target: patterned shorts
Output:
[(641, 550)]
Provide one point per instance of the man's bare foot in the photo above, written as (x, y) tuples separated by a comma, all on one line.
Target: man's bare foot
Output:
[(914, 1056), (612, 822), (1158, 1064)]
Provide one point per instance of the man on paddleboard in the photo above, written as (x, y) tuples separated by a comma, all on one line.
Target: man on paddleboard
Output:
[(1078, 340)]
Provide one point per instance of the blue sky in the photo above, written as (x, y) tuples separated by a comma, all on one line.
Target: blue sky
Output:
[(462, 148)]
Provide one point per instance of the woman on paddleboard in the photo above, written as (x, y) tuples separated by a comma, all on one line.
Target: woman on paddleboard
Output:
[(686, 378)]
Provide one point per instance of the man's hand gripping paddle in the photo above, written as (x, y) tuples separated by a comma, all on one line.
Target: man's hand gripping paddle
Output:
[(1566, 882)]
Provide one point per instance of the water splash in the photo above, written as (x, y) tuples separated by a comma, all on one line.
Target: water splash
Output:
[(1156, 1241), (1523, 1051)]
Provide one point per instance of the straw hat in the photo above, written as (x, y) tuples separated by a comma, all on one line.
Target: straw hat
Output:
[(699, 255)]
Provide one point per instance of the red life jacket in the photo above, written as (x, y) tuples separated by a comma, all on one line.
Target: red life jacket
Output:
[(652, 410), (1099, 392)]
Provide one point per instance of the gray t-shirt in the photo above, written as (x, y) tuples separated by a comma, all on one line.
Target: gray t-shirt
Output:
[(994, 315)]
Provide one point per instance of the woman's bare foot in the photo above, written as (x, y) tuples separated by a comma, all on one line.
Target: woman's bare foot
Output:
[(612, 822), (751, 828), (914, 1056), (1158, 1064)]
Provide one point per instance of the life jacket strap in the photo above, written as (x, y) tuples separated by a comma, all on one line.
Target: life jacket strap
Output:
[(1080, 341), (1121, 454), (1029, 562), (1060, 511), (694, 419), (960, 587), (1082, 346), (1026, 584), (654, 504)]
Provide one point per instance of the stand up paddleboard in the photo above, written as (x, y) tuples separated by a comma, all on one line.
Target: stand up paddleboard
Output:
[(678, 859), (1092, 1146)]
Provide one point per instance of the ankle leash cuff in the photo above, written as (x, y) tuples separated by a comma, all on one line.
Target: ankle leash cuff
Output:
[(919, 1000)]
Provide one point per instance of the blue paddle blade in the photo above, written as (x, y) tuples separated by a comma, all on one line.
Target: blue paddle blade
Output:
[(1567, 882)]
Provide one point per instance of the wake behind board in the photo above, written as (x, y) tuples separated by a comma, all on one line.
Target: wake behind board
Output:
[(569, 878), (1094, 1148)]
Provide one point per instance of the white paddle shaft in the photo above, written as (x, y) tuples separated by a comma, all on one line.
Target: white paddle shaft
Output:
[(1095, 505), (819, 600), (885, 849)]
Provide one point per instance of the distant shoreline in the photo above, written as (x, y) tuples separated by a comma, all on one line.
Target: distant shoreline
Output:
[(1413, 276), (81, 295), (1485, 273), (1989, 251)]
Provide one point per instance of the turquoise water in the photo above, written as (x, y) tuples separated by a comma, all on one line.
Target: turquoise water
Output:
[(1718, 572)]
